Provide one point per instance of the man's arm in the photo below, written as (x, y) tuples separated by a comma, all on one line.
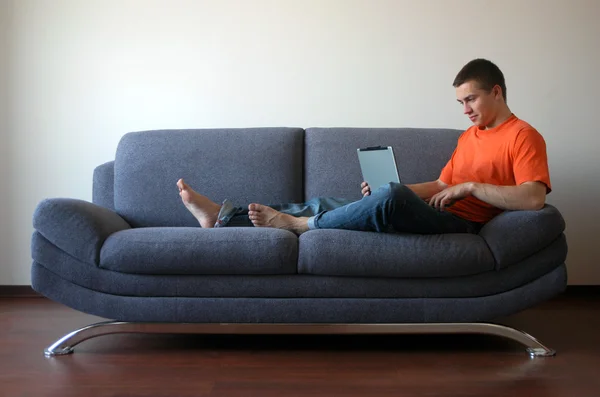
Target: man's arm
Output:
[(424, 190), (427, 190), (527, 196)]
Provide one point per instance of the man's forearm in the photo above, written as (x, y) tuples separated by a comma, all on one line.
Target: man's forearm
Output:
[(426, 190), (523, 197)]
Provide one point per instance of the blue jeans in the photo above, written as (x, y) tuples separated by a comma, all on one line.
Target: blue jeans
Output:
[(391, 208)]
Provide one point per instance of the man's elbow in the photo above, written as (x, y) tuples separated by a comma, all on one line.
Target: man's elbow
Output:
[(536, 203), (535, 196)]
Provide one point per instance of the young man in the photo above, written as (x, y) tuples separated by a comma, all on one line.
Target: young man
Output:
[(500, 163)]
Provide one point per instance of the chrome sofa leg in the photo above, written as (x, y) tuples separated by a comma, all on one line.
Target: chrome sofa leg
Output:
[(66, 344), (534, 347)]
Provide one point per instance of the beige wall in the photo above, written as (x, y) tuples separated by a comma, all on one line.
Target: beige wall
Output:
[(86, 72), (6, 241)]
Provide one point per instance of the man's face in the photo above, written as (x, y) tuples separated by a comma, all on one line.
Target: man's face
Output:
[(480, 106)]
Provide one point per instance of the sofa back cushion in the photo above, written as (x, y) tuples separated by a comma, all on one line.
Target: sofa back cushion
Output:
[(244, 165), (331, 167)]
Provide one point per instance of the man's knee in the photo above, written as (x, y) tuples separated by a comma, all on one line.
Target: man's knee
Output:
[(394, 192)]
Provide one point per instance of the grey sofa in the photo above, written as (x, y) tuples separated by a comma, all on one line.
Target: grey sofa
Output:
[(137, 257)]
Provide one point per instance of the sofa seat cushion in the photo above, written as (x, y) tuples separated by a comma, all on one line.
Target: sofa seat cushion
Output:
[(197, 251), (327, 252)]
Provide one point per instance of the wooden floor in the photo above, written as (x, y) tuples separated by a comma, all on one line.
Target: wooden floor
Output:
[(195, 365)]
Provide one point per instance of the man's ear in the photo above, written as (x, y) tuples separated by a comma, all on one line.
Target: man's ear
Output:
[(497, 90)]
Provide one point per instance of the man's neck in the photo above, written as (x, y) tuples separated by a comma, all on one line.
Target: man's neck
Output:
[(501, 117)]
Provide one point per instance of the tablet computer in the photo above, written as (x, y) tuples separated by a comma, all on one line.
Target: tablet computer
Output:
[(378, 165)]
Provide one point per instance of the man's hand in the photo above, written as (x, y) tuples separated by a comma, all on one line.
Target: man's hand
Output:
[(366, 189), (448, 196)]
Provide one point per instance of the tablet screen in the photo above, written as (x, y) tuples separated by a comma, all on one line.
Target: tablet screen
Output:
[(378, 166)]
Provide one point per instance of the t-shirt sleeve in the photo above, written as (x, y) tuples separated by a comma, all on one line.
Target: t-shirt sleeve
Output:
[(447, 171), (530, 161), (446, 174)]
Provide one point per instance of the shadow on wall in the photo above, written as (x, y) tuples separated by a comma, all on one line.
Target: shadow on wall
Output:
[(577, 202)]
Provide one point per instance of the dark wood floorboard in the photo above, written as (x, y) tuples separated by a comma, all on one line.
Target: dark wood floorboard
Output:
[(224, 366)]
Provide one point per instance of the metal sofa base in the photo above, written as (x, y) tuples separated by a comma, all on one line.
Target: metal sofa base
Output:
[(66, 344)]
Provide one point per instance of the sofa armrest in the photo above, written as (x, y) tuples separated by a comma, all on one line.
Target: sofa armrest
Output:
[(103, 187), (514, 235), (77, 227)]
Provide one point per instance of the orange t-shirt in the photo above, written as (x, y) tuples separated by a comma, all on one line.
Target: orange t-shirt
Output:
[(507, 155)]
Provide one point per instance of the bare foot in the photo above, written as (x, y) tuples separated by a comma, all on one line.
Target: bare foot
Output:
[(204, 210), (263, 216)]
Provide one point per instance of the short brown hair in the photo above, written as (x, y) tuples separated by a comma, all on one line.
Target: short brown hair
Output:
[(484, 72)]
